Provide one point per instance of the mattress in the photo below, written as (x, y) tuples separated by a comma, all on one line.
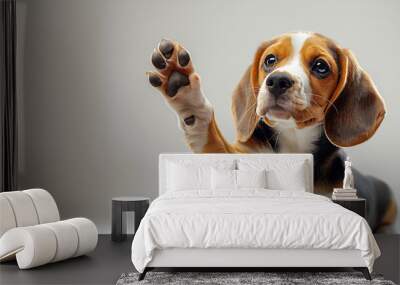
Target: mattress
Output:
[(251, 219)]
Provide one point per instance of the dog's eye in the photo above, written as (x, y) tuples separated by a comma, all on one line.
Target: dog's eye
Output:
[(320, 68), (270, 61)]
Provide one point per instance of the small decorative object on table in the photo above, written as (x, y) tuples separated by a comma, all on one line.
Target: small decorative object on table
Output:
[(348, 181), (347, 192), (139, 205), (347, 196)]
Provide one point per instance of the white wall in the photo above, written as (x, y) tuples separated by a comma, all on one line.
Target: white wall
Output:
[(93, 126)]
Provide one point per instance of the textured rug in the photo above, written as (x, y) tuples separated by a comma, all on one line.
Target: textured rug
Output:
[(233, 278)]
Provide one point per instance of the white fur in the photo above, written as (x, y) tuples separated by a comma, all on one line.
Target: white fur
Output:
[(262, 100), (293, 140), (190, 101), (294, 66)]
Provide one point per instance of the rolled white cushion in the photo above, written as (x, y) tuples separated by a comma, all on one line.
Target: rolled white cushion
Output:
[(87, 234), (33, 246), (67, 240), (23, 208), (46, 207), (7, 218), (41, 244), (26, 208)]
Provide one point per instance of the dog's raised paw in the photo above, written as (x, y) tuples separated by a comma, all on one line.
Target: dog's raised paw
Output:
[(174, 67)]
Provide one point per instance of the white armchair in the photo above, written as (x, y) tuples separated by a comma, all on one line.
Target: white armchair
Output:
[(31, 230)]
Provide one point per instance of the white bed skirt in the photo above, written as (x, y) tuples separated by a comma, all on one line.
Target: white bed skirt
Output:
[(236, 257)]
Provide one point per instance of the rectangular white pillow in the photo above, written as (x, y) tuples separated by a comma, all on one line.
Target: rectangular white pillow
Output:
[(182, 177), (251, 178), (292, 179), (193, 174), (223, 179), (237, 179), (281, 174)]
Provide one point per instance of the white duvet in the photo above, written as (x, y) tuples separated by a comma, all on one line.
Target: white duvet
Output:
[(250, 218)]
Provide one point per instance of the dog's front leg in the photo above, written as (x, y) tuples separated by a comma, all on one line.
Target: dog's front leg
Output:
[(180, 85)]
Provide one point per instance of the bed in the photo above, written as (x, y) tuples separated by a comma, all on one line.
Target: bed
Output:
[(246, 211)]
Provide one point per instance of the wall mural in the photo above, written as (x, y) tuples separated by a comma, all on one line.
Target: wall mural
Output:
[(302, 93)]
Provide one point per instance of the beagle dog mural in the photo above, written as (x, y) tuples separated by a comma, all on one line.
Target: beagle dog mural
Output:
[(302, 93)]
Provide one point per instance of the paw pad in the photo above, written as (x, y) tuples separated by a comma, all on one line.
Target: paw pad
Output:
[(158, 61), (155, 81), (183, 57), (166, 47), (176, 81)]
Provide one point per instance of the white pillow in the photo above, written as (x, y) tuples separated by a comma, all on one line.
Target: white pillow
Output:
[(237, 179), (281, 174), (193, 174), (251, 178), (287, 179), (223, 179), (181, 177)]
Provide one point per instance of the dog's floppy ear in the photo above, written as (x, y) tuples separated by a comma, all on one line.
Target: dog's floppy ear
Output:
[(356, 109), (244, 99)]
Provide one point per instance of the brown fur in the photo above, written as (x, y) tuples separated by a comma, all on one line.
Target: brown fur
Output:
[(216, 143), (359, 109), (390, 215)]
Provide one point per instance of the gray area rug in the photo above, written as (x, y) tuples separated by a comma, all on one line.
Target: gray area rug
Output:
[(232, 278)]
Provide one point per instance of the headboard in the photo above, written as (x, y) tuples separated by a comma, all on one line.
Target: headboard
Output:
[(165, 157)]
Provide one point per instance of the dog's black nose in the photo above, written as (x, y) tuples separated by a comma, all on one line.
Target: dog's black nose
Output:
[(278, 83)]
